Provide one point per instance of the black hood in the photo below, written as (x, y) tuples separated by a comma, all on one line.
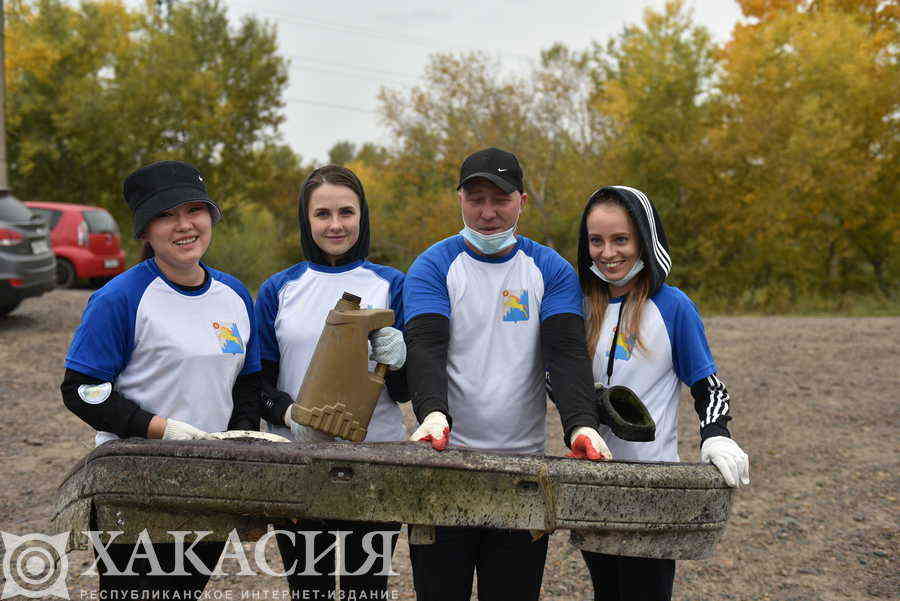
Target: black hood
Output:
[(311, 250), (654, 245)]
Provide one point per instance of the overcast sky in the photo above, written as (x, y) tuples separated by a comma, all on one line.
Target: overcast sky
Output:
[(342, 52)]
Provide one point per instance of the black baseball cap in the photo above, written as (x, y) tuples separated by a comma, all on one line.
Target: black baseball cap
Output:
[(164, 185), (493, 164)]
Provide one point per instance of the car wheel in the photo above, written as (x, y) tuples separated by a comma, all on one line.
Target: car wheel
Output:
[(65, 273), (9, 308)]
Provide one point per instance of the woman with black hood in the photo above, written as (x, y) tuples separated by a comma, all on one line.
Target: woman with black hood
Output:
[(647, 336), (291, 308)]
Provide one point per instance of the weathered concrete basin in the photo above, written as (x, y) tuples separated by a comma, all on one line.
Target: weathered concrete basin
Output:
[(676, 510)]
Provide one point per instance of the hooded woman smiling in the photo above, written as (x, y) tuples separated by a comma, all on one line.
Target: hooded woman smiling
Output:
[(291, 309)]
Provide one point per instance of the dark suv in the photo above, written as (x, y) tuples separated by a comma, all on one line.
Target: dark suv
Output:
[(27, 264)]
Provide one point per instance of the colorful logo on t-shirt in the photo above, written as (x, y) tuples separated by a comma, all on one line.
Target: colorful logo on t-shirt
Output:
[(515, 305), (229, 338), (623, 347)]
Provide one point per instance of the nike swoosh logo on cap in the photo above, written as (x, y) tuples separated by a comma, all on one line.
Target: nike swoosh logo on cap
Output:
[(498, 169)]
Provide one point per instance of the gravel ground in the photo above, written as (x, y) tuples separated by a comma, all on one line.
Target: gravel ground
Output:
[(815, 406)]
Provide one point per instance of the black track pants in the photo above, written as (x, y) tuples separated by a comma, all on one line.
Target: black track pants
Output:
[(365, 586), (617, 578), (509, 565), (190, 586)]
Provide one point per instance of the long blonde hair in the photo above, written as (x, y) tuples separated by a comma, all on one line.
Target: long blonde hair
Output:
[(597, 292)]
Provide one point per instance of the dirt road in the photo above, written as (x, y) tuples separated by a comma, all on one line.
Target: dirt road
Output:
[(816, 406)]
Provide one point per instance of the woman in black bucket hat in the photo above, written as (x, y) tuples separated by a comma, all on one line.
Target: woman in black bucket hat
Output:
[(645, 339), (168, 349)]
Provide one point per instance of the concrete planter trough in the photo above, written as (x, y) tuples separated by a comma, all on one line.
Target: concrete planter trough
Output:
[(673, 510)]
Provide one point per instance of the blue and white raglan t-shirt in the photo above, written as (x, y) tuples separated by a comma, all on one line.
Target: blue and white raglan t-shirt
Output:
[(674, 351), (495, 368), (175, 353), (291, 309)]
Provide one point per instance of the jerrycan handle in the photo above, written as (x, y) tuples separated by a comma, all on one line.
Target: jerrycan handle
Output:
[(351, 302)]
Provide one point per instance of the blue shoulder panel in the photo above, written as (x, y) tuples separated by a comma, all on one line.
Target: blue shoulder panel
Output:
[(103, 343), (562, 293), (690, 351), (394, 278), (425, 288), (266, 309)]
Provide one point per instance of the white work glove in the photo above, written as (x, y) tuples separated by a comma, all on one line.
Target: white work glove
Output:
[(388, 347), (434, 429), (305, 433), (731, 460), (176, 430), (588, 444)]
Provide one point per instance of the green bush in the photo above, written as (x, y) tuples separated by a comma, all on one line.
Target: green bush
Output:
[(251, 245)]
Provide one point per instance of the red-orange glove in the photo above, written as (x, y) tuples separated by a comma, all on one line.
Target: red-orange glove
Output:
[(588, 444), (434, 429)]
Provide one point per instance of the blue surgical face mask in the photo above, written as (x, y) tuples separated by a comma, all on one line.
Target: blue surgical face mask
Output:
[(635, 269), (490, 244)]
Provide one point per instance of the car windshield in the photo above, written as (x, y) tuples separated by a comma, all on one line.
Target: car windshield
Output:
[(100, 222), (12, 210), (50, 216)]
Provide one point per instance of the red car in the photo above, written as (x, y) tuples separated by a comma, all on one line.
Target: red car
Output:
[(85, 240)]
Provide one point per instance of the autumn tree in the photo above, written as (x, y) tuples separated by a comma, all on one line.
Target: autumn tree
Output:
[(97, 90), (467, 103), (341, 152), (807, 151), (652, 87), (205, 90), (62, 109)]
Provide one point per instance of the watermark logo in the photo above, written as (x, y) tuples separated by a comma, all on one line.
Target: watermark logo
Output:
[(35, 565)]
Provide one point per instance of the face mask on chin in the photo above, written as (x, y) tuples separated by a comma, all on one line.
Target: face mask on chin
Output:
[(490, 244), (635, 269)]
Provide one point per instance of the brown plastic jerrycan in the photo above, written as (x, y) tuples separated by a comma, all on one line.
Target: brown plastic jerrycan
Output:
[(339, 393)]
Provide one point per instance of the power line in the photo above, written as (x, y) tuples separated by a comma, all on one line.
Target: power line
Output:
[(348, 75), (368, 32), (331, 105), (294, 19), (365, 68)]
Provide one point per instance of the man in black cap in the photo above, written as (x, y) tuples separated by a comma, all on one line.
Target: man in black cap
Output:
[(488, 313)]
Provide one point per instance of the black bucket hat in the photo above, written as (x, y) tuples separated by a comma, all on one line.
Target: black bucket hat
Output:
[(625, 414), (161, 186)]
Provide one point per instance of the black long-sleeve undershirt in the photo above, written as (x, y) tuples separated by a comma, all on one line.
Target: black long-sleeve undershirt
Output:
[(711, 402), (246, 412), (117, 414), (565, 358), (427, 342), (125, 418), (273, 402), (568, 366)]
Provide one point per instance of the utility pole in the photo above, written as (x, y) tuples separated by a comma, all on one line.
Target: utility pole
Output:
[(4, 179)]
